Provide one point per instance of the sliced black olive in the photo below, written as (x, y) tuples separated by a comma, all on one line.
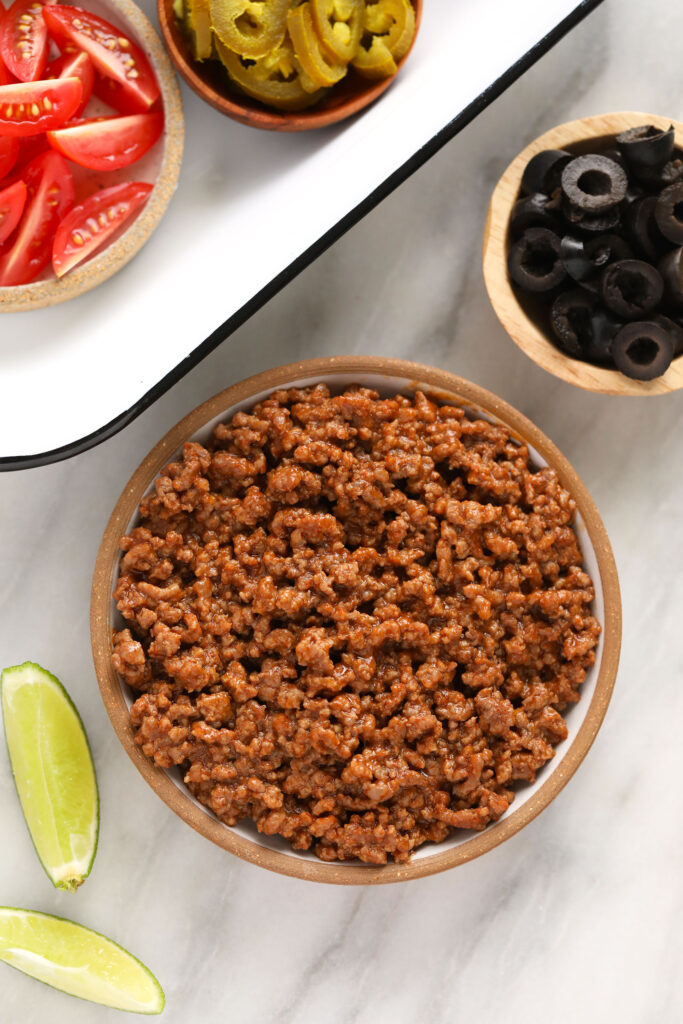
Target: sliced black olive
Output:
[(631, 288), (677, 338), (606, 249), (669, 212), (642, 350), (674, 330), (534, 262), (659, 177), (608, 220), (576, 260), (543, 172), (570, 317), (646, 148), (634, 192), (641, 225), (671, 172), (584, 260), (532, 212), (603, 331), (616, 155), (593, 183), (671, 269), (555, 202), (599, 223)]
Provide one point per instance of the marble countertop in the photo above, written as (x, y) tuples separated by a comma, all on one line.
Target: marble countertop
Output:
[(575, 918)]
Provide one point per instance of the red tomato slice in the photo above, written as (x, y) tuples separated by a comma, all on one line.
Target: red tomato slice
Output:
[(23, 40), (114, 95), (30, 147), (29, 108), (9, 151), (74, 65), (94, 221), (5, 76), (107, 143), (112, 53), (50, 197), (12, 201)]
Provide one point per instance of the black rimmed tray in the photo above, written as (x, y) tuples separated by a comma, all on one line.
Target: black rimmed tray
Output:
[(252, 210)]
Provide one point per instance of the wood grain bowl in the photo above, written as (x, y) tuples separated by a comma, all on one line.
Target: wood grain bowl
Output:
[(160, 166), (211, 83), (388, 376), (522, 318)]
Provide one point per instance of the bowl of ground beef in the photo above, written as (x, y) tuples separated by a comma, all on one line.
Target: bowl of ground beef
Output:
[(356, 620)]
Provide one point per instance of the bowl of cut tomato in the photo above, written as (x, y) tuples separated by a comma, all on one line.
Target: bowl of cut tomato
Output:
[(91, 140)]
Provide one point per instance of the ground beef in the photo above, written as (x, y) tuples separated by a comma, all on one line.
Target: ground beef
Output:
[(354, 620)]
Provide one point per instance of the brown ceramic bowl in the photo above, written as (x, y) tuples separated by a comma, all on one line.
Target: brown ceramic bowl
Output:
[(388, 376), (523, 317), (160, 166), (210, 81)]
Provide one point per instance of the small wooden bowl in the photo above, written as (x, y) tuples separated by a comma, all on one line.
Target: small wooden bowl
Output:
[(522, 318), (388, 376), (161, 165), (210, 81)]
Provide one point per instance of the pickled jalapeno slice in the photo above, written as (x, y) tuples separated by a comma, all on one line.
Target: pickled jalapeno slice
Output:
[(375, 62), (339, 25), (274, 79), (251, 29), (198, 23), (320, 68), (394, 22)]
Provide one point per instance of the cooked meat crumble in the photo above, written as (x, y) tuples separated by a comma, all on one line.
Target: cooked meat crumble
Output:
[(354, 620)]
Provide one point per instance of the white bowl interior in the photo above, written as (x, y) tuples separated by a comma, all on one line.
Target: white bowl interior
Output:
[(574, 715)]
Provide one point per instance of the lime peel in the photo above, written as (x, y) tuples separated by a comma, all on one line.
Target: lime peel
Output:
[(78, 961), (53, 772)]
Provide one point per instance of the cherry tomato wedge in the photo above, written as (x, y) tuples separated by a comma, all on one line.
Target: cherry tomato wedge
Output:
[(30, 147), (5, 76), (107, 143), (112, 53), (12, 202), (74, 65), (23, 40), (50, 197), (9, 151), (28, 108), (94, 221), (115, 96)]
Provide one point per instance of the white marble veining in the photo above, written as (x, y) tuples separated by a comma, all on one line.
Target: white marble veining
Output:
[(577, 918)]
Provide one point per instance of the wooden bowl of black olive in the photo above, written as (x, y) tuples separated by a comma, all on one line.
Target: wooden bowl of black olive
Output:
[(583, 253)]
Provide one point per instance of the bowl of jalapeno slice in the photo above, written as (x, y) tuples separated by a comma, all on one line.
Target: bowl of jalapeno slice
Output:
[(286, 65)]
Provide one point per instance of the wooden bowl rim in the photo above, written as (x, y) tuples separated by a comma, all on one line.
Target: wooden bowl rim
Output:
[(506, 305), (115, 256), (253, 114), (440, 382)]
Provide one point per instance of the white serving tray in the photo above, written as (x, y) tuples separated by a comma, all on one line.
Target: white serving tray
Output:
[(252, 209)]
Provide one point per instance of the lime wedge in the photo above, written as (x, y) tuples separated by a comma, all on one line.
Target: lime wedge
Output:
[(77, 961), (53, 772)]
